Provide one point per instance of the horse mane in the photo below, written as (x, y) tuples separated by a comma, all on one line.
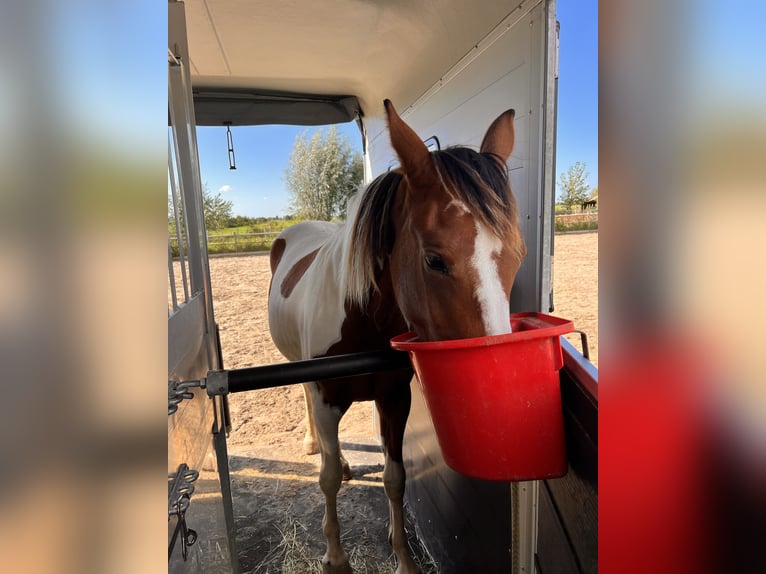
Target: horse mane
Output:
[(478, 180), (371, 236)]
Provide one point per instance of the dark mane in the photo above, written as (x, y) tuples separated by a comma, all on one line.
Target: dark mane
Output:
[(480, 181), (370, 235)]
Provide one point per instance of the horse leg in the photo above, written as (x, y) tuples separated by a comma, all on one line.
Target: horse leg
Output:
[(326, 418), (310, 445), (346, 468), (393, 417)]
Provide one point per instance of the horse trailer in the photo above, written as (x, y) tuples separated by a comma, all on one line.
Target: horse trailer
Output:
[(450, 67)]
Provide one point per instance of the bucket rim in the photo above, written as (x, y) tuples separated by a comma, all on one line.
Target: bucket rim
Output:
[(539, 326)]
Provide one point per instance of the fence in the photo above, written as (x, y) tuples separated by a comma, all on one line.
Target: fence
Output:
[(577, 221), (246, 242), (234, 242)]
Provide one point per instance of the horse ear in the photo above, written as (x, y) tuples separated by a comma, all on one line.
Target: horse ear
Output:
[(500, 136), (412, 152)]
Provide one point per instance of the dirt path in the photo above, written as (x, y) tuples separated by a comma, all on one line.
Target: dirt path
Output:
[(277, 502)]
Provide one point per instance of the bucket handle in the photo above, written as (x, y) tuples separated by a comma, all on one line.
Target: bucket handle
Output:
[(583, 343)]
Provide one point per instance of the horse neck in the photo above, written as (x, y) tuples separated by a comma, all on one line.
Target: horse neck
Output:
[(382, 310)]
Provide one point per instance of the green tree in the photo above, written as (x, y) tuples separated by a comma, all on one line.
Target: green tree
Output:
[(322, 174), (573, 188), (217, 210)]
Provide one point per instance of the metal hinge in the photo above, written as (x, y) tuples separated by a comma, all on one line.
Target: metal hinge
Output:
[(180, 489)]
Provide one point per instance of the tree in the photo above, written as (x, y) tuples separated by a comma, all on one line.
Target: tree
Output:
[(217, 210), (572, 185), (322, 174)]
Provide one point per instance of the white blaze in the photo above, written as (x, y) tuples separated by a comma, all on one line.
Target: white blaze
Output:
[(489, 290)]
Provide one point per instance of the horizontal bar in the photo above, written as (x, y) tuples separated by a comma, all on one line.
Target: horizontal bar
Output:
[(334, 367)]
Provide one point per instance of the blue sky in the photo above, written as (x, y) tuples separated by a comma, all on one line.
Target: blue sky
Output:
[(262, 153), (577, 130), (257, 186)]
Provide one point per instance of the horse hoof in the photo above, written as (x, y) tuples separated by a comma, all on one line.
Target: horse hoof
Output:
[(347, 474), (344, 568), (310, 446)]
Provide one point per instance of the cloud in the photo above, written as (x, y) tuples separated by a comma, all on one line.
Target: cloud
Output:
[(224, 189)]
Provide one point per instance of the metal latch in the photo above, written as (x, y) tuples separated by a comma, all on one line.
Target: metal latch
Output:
[(180, 489), (178, 391), (216, 383)]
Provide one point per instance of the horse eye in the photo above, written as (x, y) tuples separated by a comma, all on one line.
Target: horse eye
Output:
[(436, 263)]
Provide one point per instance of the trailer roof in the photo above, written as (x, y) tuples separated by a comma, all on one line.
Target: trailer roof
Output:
[(304, 62)]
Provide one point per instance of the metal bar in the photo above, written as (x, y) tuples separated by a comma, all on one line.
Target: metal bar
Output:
[(268, 376), (230, 142), (187, 171), (187, 158), (548, 151), (222, 458), (179, 235), (172, 60), (525, 512), (172, 277), (524, 498), (226, 415)]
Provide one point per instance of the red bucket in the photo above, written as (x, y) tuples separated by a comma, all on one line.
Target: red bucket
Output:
[(495, 401)]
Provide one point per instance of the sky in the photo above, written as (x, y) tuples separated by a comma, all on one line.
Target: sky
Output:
[(261, 153), (257, 187), (577, 129)]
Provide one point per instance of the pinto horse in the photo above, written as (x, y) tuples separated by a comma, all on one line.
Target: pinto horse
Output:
[(433, 247)]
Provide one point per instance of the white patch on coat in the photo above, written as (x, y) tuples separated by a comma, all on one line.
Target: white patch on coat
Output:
[(309, 321), (489, 291)]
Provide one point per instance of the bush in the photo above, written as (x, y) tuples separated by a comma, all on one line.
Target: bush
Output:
[(576, 226)]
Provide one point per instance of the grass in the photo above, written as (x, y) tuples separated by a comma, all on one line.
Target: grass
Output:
[(227, 244), (576, 226), (272, 225), (230, 230)]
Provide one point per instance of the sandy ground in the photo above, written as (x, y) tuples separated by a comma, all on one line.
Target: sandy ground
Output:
[(575, 285), (277, 502)]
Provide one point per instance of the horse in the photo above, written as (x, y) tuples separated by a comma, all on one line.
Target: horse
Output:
[(433, 247)]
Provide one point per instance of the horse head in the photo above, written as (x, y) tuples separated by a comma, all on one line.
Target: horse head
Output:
[(457, 243)]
